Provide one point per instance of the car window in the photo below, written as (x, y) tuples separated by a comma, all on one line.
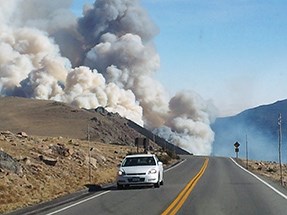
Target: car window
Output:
[(139, 161)]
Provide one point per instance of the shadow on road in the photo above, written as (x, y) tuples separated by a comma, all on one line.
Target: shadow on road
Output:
[(97, 187)]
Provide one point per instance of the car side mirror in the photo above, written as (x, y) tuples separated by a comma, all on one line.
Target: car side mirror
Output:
[(160, 163)]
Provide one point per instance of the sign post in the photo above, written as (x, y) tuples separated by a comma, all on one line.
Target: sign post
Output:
[(236, 145), (142, 142)]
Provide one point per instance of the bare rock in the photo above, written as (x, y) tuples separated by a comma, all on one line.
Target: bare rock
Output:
[(9, 163), (27, 161), (7, 133), (102, 111), (48, 161), (62, 150), (93, 162), (22, 134), (271, 169)]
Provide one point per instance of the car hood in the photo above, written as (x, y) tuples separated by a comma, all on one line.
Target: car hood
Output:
[(137, 169)]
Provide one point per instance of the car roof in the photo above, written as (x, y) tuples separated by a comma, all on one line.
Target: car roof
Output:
[(140, 155)]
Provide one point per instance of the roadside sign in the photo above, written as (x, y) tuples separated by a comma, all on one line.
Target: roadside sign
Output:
[(236, 145)]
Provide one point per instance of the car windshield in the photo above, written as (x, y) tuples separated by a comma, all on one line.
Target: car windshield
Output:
[(139, 161)]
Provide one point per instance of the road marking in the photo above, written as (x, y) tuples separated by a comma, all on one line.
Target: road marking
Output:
[(264, 182), (175, 165), (77, 203), (174, 207), (88, 199)]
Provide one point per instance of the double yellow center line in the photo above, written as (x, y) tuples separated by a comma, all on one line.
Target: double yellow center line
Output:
[(183, 195)]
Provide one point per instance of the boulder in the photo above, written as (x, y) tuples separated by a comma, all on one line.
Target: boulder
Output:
[(7, 133), (102, 111), (22, 134), (94, 162), (9, 163), (48, 161), (62, 150)]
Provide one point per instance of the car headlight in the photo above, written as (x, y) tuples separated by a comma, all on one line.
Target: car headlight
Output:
[(121, 172), (152, 171)]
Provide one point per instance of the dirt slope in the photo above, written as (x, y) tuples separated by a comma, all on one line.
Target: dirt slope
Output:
[(50, 118), (51, 154)]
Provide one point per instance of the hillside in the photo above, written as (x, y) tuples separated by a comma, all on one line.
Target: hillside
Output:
[(257, 126), (53, 119), (45, 154), (41, 169), (49, 156)]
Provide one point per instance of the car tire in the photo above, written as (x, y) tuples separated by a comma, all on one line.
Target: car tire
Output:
[(119, 186), (161, 183), (157, 185)]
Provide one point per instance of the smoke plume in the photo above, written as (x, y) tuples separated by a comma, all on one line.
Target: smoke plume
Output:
[(104, 58)]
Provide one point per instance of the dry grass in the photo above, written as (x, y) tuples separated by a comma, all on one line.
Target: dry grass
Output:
[(40, 182), (57, 133), (54, 119), (268, 169)]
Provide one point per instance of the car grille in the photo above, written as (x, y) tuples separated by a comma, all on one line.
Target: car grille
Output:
[(135, 173)]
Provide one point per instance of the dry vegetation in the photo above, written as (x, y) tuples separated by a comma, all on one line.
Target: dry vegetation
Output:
[(268, 169), (54, 166), (53, 159), (40, 181)]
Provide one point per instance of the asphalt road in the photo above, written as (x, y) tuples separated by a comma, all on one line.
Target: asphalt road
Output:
[(227, 189), (221, 188)]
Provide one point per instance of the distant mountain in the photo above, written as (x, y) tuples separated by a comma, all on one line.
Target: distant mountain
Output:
[(258, 127)]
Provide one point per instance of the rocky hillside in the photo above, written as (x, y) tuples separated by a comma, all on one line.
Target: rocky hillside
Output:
[(45, 152), (36, 169)]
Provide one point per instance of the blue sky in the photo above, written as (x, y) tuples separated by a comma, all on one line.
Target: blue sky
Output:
[(231, 52)]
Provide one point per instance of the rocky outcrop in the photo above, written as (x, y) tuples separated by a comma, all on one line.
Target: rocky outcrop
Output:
[(47, 160), (62, 150), (7, 162), (22, 134)]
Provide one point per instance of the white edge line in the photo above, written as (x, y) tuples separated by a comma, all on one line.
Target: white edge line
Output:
[(175, 165), (88, 199), (264, 182), (80, 202)]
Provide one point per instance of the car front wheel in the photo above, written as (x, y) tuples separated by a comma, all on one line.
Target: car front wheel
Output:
[(119, 186), (157, 184)]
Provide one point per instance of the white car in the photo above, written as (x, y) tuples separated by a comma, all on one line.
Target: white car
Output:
[(140, 169)]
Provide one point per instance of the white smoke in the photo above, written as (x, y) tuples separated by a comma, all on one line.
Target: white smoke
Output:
[(105, 58), (188, 122)]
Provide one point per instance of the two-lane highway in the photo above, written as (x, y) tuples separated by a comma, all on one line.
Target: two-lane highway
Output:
[(227, 189), (198, 185), (137, 200)]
